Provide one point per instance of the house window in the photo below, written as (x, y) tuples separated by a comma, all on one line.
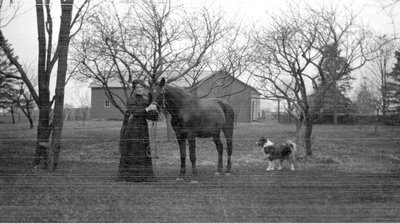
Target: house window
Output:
[(107, 104)]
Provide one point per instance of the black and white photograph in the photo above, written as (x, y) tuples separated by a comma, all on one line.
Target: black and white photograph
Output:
[(199, 111)]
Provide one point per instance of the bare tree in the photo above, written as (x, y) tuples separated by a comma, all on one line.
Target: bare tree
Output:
[(26, 103), (292, 54), (390, 9), (231, 60), (82, 100), (368, 100), (8, 11), (49, 55), (145, 41), (378, 69)]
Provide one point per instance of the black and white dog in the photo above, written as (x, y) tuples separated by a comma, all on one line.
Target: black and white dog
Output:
[(284, 151)]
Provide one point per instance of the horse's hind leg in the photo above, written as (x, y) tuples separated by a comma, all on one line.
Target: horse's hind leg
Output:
[(229, 151), (228, 135), (220, 149)]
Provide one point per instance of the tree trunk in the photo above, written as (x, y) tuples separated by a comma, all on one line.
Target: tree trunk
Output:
[(31, 125), (335, 109), (298, 126), (43, 134), (279, 111), (307, 137), (63, 43), (384, 106), (29, 116), (376, 121), (12, 116), (304, 135), (44, 104), (335, 116)]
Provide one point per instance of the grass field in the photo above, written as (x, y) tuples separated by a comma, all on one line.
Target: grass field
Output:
[(353, 176)]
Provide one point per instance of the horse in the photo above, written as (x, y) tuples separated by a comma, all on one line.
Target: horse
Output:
[(191, 118)]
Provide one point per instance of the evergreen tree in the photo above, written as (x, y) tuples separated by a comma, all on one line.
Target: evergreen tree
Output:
[(335, 72), (8, 86), (335, 69), (365, 101), (393, 86)]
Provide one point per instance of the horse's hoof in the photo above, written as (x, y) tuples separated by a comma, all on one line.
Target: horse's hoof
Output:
[(228, 174), (217, 173), (194, 182), (179, 179)]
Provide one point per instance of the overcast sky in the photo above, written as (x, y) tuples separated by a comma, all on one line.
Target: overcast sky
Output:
[(22, 33)]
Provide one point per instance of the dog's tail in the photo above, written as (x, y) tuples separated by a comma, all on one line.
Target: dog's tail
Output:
[(293, 147)]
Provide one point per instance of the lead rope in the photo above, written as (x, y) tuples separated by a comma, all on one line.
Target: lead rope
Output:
[(155, 156), (154, 132)]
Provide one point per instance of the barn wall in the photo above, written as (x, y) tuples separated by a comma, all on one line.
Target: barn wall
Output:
[(241, 101), (256, 105), (98, 103), (246, 103)]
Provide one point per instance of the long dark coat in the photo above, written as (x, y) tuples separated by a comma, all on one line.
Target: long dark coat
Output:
[(135, 162)]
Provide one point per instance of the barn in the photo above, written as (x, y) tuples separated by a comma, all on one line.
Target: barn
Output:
[(244, 98), (101, 107)]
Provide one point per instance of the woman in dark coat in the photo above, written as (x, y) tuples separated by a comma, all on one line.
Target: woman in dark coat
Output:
[(136, 163)]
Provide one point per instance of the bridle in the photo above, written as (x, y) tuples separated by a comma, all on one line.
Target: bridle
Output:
[(162, 106)]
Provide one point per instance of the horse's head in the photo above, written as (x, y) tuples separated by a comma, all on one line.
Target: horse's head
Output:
[(157, 93)]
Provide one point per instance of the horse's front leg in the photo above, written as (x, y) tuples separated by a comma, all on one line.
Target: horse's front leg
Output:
[(182, 149), (192, 153)]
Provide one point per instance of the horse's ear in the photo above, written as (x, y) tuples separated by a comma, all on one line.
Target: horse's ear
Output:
[(162, 82)]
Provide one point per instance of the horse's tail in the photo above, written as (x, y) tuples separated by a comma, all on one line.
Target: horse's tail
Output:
[(228, 130), (229, 123), (229, 116)]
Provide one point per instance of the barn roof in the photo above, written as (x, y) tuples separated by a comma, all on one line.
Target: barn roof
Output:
[(113, 83), (237, 79), (206, 75)]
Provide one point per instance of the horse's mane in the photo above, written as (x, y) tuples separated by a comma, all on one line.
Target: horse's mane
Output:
[(177, 97), (177, 92)]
